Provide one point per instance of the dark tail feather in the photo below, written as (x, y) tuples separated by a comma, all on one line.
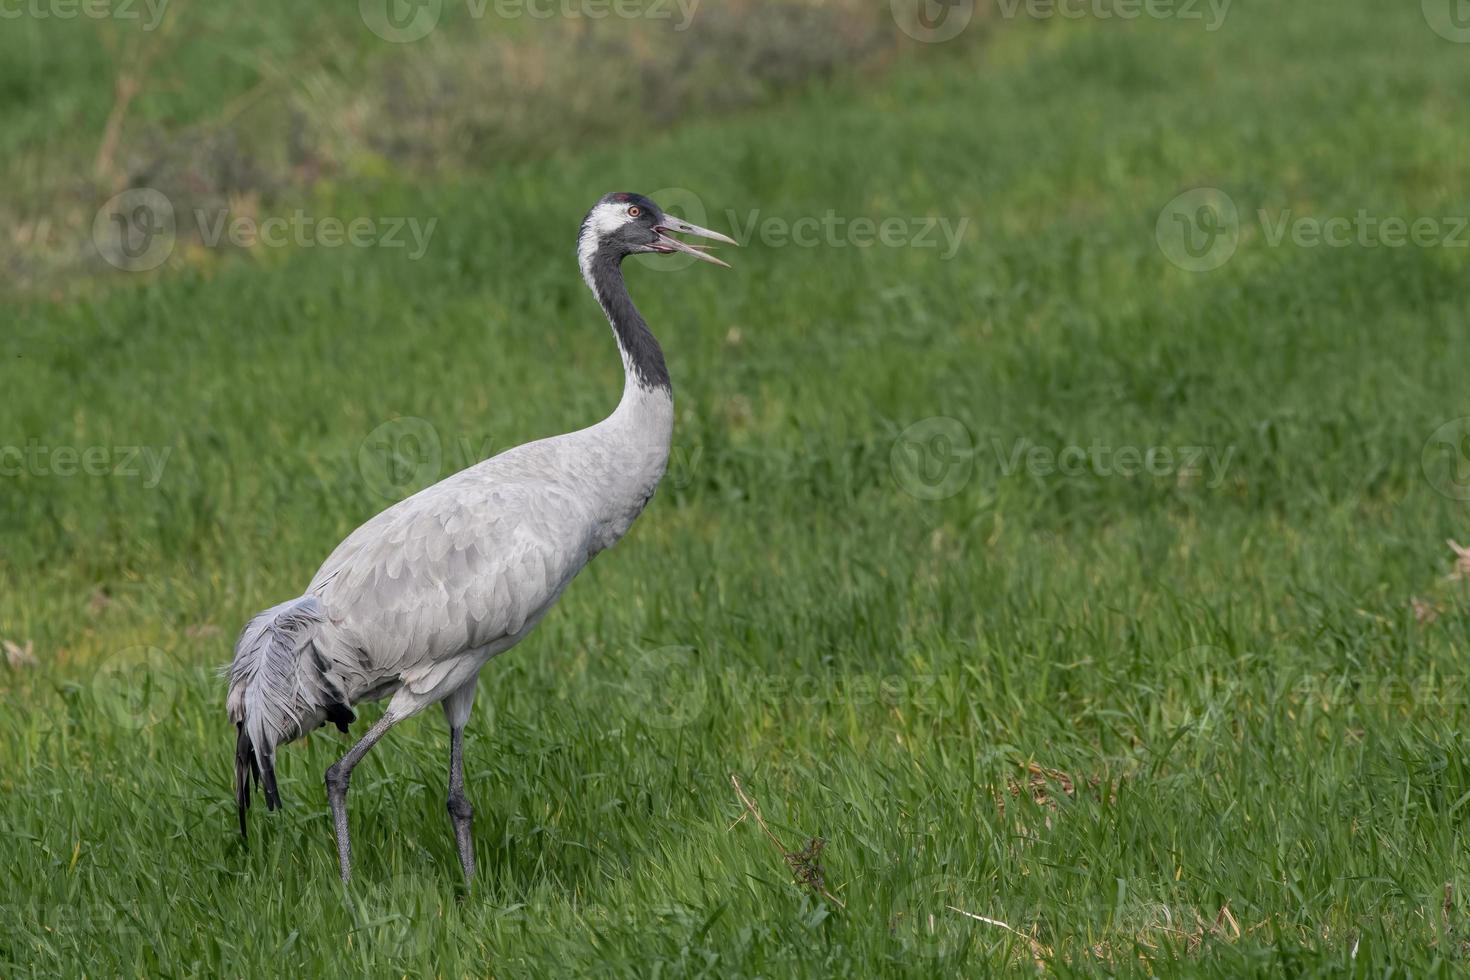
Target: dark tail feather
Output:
[(276, 693), (268, 778), (245, 768), (340, 715), (249, 766)]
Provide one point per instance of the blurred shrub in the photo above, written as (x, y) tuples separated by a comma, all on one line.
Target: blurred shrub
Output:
[(461, 102), (326, 98)]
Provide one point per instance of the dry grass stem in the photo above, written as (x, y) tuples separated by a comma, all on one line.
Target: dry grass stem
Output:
[(806, 863)]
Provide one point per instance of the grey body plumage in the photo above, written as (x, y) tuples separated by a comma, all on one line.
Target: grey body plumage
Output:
[(415, 601)]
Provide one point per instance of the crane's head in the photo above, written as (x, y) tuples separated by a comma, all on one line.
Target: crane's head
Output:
[(630, 224)]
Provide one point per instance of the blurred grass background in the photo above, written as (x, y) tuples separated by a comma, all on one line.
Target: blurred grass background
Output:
[(215, 109), (1165, 724)]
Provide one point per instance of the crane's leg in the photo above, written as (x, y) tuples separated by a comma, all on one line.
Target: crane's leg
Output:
[(338, 776), (461, 814)]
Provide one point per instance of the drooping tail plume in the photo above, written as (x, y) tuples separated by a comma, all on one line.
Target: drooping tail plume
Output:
[(279, 689)]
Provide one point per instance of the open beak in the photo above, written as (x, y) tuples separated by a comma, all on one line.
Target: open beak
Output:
[(668, 244)]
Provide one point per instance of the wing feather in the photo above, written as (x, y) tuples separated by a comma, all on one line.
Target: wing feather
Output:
[(455, 568)]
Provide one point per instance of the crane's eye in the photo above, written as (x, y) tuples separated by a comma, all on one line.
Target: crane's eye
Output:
[(634, 211)]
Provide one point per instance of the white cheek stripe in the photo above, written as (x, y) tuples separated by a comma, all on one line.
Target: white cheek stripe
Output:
[(604, 220), (608, 218)]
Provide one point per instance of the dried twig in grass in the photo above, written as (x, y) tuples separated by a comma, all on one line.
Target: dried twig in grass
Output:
[(126, 87), (1038, 777), (18, 656), (805, 864), (1039, 953), (1039, 783), (1226, 917), (1453, 933), (1461, 570), (1425, 611), (1150, 937)]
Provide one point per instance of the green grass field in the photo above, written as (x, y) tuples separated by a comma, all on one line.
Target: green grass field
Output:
[(909, 578)]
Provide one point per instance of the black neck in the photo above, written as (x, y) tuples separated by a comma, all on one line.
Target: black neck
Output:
[(644, 357)]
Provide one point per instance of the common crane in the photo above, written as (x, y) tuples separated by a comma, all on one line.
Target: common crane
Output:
[(414, 602)]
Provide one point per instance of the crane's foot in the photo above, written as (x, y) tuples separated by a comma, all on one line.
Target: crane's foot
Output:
[(339, 774), (461, 814), (463, 817), (337, 796)]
